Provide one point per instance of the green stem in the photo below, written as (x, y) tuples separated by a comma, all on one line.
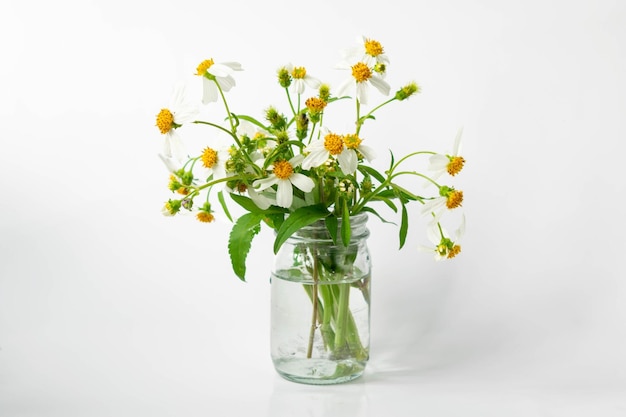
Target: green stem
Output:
[(342, 314), (309, 350)]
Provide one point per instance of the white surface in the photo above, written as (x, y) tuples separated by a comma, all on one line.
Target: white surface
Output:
[(109, 309)]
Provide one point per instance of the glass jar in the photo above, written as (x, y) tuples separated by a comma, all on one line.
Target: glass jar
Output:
[(320, 304)]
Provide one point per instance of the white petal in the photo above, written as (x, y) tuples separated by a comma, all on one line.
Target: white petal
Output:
[(312, 82), (264, 183), (296, 160), (315, 159), (347, 161), (361, 92), (298, 86), (284, 194), (170, 164), (457, 143), (438, 162), (226, 83), (367, 152), (220, 70), (175, 146), (381, 85), (345, 87), (209, 91), (302, 182), (260, 200), (235, 66)]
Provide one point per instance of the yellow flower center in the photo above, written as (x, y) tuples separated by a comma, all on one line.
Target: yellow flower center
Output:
[(298, 72), (373, 48), (165, 120), (204, 66), (205, 217), (333, 144), (456, 249), (315, 104), (455, 198), (259, 136), (352, 141), (361, 72), (455, 165), (209, 157), (283, 169)]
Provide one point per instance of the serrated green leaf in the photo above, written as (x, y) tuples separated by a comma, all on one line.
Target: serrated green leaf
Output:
[(404, 226), (300, 218), (240, 241)]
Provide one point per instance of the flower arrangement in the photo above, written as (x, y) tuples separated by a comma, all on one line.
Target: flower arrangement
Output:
[(288, 169)]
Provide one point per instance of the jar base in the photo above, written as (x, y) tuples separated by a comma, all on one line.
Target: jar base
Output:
[(319, 371)]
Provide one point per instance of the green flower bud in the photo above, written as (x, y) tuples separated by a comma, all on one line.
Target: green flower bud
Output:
[(284, 78), (407, 91)]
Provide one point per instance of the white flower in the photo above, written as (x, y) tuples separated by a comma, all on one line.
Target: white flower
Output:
[(449, 199), (213, 73), (452, 164), (368, 51), (342, 148), (285, 178), (361, 77), (444, 247), (179, 111), (214, 161), (301, 78)]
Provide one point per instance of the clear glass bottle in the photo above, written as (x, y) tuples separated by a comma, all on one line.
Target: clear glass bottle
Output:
[(320, 298)]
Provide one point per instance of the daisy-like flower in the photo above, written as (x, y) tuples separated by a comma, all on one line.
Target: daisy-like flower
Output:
[(362, 76), (452, 164), (449, 199), (179, 111), (214, 74), (342, 148), (284, 176), (444, 247), (214, 161), (368, 51), (301, 79)]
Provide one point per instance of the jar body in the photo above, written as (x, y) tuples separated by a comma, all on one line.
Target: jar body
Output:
[(320, 314)]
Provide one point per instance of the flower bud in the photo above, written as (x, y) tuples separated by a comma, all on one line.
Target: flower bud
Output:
[(284, 78), (407, 91)]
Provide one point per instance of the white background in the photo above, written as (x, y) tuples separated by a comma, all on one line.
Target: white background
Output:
[(108, 308)]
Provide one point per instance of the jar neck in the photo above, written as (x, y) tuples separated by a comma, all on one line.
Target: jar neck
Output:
[(318, 231)]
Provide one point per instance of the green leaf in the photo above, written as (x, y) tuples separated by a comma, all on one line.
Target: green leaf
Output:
[(404, 226), (392, 162), (371, 171), (300, 218), (220, 197), (251, 120), (331, 225), (375, 213), (248, 204), (240, 241)]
